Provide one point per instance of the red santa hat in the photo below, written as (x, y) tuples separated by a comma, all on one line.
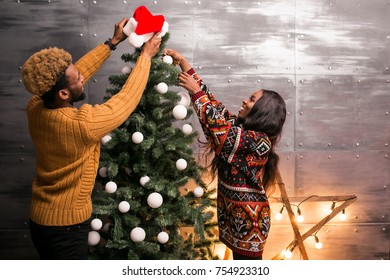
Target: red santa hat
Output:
[(143, 25)]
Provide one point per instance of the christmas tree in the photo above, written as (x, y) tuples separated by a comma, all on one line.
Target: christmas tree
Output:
[(143, 206)]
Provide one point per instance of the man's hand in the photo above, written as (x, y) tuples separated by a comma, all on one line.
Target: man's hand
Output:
[(187, 81), (119, 36), (151, 47)]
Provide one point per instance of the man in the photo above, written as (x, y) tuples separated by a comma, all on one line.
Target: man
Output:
[(67, 139)]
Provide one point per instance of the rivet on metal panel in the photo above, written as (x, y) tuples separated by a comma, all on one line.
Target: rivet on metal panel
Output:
[(20, 82), (230, 80), (387, 113), (330, 4), (228, 67), (386, 144), (388, 37), (384, 229), (387, 68), (301, 68), (22, 147), (357, 144), (21, 159), (258, 67), (155, 2), (94, 35), (329, 144), (386, 156), (288, 157), (301, 113), (81, 2), (330, 68), (358, 68), (300, 144), (18, 1), (330, 81), (124, 2), (388, 81), (301, 81), (289, 81), (301, 157), (95, 2), (357, 156), (95, 80), (81, 34), (359, 81), (185, 2), (385, 187), (329, 157), (48, 1), (288, 113), (259, 81), (199, 2)]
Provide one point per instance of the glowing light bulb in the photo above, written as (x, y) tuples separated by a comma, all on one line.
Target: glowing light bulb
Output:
[(343, 216), (300, 218), (279, 216), (287, 254), (318, 244)]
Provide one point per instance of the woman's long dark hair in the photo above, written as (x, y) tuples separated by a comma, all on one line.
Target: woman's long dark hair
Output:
[(268, 116)]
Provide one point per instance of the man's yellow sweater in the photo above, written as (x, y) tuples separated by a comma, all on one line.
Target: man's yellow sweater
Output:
[(67, 142)]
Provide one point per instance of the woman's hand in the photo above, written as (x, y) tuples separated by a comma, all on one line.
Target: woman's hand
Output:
[(187, 81), (178, 59)]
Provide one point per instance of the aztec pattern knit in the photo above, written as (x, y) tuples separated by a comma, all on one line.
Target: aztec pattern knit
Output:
[(243, 209), (67, 142)]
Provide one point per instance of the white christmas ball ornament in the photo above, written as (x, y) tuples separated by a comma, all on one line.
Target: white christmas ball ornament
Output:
[(179, 112), (163, 237), (155, 200), (187, 129), (162, 88), (168, 59), (93, 238), (185, 99), (137, 137), (198, 191), (181, 164), (106, 139), (144, 180), (137, 234), (96, 224), (111, 187), (103, 172), (126, 70), (124, 207)]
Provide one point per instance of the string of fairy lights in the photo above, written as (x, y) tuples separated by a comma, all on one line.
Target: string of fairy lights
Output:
[(299, 217)]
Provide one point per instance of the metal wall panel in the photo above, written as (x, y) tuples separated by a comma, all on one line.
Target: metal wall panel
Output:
[(329, 60)]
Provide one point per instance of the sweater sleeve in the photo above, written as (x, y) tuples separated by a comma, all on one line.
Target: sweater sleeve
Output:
[(231, 142), (90, 63), (103, 118)]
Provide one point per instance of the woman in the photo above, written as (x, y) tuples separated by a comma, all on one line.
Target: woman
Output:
[(244, 158)]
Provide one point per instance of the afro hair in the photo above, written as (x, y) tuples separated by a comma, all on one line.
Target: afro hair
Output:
[(42, 70)]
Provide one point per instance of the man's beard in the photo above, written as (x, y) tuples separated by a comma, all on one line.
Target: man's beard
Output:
[(75, 97)]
